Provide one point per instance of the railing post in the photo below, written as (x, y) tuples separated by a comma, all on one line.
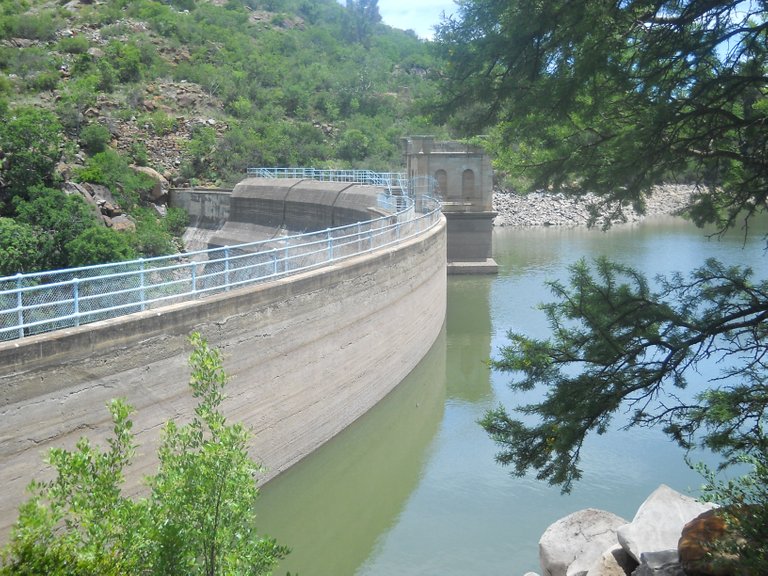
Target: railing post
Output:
[(142, 296), (193, 277), (359, 240), (330, 244), (226, 268), (76, 300), (20, 304), (274, 262)]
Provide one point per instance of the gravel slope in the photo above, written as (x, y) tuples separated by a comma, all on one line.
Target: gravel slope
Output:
[(546, 209)]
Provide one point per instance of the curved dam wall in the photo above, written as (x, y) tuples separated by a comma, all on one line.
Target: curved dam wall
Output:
[(307, 355), (261, 209)]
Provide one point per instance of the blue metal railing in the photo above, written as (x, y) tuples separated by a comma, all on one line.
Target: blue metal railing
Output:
[(35, 303), (393, 182)]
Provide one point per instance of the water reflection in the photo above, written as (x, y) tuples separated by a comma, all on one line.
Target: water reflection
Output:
[(332, 506), (412, 488), (468, 322)]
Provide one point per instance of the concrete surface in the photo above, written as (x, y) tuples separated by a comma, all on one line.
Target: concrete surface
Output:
[(307, 356)]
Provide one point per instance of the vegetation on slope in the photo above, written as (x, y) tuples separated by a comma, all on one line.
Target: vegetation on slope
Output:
[(197, 90)]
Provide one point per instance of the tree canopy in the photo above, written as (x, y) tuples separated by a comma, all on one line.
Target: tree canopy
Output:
[(612, 97)]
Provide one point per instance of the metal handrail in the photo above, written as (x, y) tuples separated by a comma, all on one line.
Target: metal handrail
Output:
[(44, 301), (392, 181)]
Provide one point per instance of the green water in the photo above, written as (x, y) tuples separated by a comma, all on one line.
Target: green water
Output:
[(412, 487)]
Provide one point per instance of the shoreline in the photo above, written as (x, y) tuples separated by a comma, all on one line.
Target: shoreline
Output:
[(559, 209)]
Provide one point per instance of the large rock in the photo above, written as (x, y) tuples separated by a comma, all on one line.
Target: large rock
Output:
[(613, 562), (570, 546), (661, 563), (698, 545), (161, 184), (659, 521)]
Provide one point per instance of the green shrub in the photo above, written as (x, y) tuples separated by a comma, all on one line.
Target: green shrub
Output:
[(198, 520), (161, 123), (126, 59), (60, 217), (74, 45), (78, 95), (151, 238), (44, 81), (30, 140), (112, 170), (94, 138), (139, 153), (99, 245), (40, 26), (21, 246), (176, 221)]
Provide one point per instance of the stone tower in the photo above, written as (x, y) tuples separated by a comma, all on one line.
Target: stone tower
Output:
[(464, 182)]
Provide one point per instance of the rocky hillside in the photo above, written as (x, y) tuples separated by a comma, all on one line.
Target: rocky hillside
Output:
[(190, 92)]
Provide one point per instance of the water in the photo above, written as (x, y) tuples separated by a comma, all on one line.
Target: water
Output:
[(412, 488)]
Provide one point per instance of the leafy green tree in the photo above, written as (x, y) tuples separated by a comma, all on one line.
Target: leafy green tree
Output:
[(29, 140), (59, 218), (616, 346), (99, 245), (362, 16), (204, 494), (611, 97), (21, 247), (199, 518)]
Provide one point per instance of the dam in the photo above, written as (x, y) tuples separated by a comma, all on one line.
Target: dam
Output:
[(321, 336)]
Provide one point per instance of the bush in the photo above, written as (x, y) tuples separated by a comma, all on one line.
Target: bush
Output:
[(744, 502), (21, 246), (44, 81), (151, 237), (74, 45), (139, 153), (99, 245), (94, 138), (113, 171), (30, 140), (59, 217), (199, 519), (32, 26), (161, 123), (176, 221)]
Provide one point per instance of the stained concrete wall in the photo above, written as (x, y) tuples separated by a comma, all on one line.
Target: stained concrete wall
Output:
[(307, 354)]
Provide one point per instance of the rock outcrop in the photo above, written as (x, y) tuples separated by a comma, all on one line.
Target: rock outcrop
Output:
[(570, 545), (558, 209), (593, 542), (659, 521)]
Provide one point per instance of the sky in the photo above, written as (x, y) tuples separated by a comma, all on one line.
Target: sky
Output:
[(417, 15)]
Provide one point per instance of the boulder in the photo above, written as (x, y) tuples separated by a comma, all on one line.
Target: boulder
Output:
[(570, 546), (659, 521), (613, 562), (660, 563), (123, 223), (161, 184), (699, 540)]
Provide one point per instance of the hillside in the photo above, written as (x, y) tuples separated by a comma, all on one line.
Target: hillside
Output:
[(195, 91)]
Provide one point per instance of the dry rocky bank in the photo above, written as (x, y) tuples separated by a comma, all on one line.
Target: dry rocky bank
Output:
[(559, 209)]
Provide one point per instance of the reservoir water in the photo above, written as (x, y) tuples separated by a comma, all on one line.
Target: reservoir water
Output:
[(412, 488)]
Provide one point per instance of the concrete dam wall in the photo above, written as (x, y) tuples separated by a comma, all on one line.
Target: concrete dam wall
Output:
[(307, 355)]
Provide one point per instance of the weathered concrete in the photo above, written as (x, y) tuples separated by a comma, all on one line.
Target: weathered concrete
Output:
[(463, 177), (307, 354)]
